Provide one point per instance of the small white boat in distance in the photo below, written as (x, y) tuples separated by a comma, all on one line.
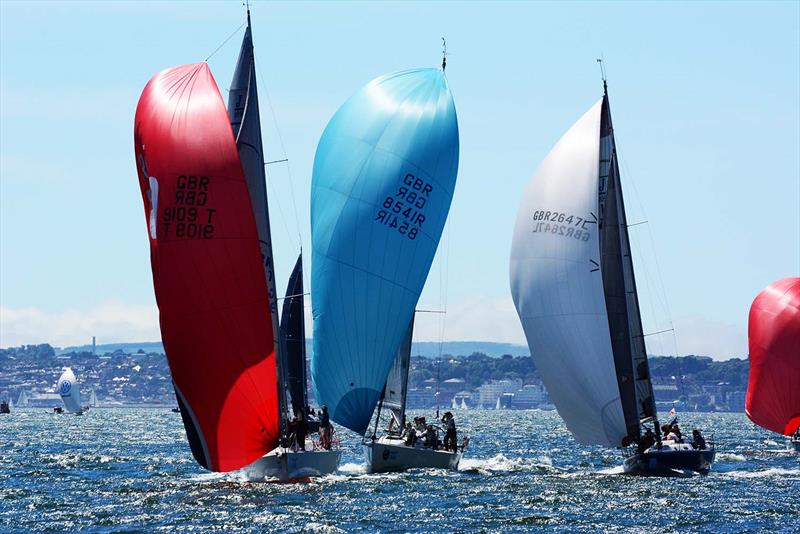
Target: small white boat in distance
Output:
[(70, 392)]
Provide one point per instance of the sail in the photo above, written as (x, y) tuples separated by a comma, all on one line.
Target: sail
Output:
[(246, 124), (22, 401), (293, 334), (619, 286), (773, 390), (69, 390), (383, 178), (207, 272), (394, 396), (557, 286)]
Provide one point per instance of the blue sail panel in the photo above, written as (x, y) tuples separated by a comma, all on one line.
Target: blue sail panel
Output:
[(383, 179)]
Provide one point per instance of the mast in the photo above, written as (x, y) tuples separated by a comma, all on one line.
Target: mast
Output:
[(619, 285), (246, 124)]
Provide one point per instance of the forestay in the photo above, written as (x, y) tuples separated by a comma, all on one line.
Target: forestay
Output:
[(384, 175)]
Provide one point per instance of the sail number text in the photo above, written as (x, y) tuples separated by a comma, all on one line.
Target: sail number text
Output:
[(560, 223), (403, 211), (189, 217)]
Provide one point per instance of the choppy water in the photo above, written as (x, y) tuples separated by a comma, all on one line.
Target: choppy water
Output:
[(127, 470)]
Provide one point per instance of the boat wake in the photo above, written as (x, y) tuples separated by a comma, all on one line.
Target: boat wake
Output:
[(501, 464), (771, 472), (730, 457)]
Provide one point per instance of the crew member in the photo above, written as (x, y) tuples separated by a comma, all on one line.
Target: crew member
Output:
[(698, 442), (450, 432), (324, 428)]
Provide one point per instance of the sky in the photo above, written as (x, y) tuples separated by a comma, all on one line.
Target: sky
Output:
[(705, 98)]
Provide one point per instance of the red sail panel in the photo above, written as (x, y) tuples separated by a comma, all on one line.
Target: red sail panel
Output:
[(773, 391), (207, 269)]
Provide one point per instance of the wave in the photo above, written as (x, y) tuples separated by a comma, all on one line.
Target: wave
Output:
[(352, 468), (500, 463), (771, 472), (730, 457)]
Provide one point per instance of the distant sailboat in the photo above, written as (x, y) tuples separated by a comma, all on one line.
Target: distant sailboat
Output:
[(384, 176), (463, 404), (201, 172), (773, 390), (497, 405), (453, 405), (93, 399), (573, 285), (70, 391), (22, 400)]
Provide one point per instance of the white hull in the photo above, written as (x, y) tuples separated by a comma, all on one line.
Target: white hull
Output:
[(286, 464), (387, 454)]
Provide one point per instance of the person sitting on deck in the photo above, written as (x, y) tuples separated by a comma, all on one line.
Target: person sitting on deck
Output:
[(420, 424), (409, 435), (450, 436), (668, 434), (431, 438), (698, 442), (646, 441), (324, 428), (677, 431)]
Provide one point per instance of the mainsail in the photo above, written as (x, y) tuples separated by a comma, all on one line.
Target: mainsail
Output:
[(208, 275), (384, 175), (396, 389), (246, 124), (573, 285), (293, 335), (773, 390), (69, 390)]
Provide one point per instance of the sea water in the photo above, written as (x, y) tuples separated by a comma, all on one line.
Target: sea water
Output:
[(130, 470)]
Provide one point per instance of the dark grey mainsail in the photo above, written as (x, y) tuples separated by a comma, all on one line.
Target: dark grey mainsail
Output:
[(394, 394), (246, 124), (293, 335), (619, 286)]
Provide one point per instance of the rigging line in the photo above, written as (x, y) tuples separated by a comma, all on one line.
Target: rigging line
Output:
[(293, 296), (654, 333), (663, 296), (283, 149), (225, 41), (276, 161), (273, 194), (429, 311)]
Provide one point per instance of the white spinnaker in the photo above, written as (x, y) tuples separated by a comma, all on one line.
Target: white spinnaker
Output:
[(558, 287), (69, 391)]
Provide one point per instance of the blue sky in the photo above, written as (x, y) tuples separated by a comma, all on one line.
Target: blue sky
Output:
[(706, 104)]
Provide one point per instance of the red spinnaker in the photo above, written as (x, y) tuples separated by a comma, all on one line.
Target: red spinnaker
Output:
[(773, 391), (207, 269)]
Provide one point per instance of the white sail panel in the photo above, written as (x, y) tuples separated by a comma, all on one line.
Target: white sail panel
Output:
[(558, 288), (69, 391)]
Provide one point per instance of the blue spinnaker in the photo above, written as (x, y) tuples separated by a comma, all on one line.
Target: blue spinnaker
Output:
[(384, 175)]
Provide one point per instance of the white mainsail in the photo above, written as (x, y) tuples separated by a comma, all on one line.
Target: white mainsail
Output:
[(70, 391), (557, 286)]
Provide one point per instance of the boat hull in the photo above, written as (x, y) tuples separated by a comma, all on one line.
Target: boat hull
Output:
[(794, 445), (286, 464), (384, 455), (670, 460)]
